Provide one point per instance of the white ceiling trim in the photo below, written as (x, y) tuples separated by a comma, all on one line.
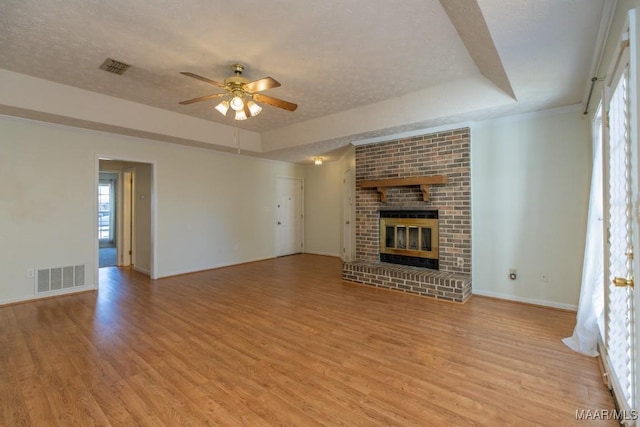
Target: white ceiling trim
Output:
[(470, 124), (528, 116)]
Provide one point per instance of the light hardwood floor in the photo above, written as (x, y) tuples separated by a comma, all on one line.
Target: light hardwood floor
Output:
[(286, 342)]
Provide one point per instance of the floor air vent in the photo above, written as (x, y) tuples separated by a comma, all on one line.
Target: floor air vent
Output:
[(59, 278)]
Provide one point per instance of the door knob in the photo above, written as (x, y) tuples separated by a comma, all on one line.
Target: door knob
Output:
[(279, 223), (621, 282)]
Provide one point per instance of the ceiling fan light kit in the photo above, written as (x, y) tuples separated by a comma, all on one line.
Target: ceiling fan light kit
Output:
[(237, 103), (254, 108), (241, 115), (237, 90), (223, 107)]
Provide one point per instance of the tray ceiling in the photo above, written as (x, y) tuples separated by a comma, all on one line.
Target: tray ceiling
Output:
[(338, 64)]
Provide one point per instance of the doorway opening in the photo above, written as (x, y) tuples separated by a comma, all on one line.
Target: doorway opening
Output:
[(125, 215), (107, 207)]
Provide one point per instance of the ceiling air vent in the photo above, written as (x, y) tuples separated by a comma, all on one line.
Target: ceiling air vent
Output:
[(113, 66)]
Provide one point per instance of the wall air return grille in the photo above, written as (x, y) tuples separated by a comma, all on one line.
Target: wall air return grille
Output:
[(59, 278), (113, 66)]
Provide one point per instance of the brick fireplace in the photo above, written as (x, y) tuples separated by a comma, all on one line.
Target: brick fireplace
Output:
[(445, 155)]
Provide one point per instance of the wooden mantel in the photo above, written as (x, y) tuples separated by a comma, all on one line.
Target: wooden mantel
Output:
[(423, 181)]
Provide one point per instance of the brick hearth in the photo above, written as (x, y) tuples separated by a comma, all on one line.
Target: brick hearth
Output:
[(443, 153), (432, 283)]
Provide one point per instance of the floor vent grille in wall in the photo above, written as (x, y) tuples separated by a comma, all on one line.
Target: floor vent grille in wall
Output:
[(58, 278)]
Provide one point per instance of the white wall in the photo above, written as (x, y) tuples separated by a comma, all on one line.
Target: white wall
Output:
[(323, 205), (324, 213), (530, 178), (142, 216), (530, 184), (213, 209)]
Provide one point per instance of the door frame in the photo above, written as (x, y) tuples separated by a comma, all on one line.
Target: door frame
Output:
[(631, 26), (153, 205), (127, 231), (634, 122), (115, 222)]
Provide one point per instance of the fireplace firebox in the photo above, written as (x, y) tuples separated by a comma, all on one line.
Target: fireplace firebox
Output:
[(409, 238)]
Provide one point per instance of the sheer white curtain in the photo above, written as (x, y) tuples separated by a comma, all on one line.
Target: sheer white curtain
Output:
[(591, 305)]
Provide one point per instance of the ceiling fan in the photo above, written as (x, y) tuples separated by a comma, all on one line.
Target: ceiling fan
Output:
[(237, 90)]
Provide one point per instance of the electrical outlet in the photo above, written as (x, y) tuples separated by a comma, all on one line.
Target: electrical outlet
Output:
[(31, 272), (460, 262), (544, 277)]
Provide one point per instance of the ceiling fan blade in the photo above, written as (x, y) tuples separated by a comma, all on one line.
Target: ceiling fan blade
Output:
[(204, 79), (260, 85), (285, 105), (203, 98)]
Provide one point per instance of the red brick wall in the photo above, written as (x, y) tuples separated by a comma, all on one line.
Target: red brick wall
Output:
[(443, 153)]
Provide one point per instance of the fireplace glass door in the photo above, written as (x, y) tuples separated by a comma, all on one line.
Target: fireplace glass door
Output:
[(414, 237)]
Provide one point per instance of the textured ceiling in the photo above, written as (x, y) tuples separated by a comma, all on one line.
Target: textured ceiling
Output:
[(329, 57)]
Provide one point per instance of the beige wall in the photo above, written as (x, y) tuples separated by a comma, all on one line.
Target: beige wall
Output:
[(530, 185), (213, 209), (323, 204), (324, 213), (142, 215)]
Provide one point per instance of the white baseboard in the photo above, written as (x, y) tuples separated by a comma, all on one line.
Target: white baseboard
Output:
[(322, 254), (543, 303), (142, 270), (43, 295), (209, 267)]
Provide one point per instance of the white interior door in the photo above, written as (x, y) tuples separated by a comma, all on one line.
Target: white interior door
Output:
[(289, 216), (622, 220)]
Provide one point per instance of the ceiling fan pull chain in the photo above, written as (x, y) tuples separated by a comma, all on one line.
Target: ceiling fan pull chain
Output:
[(237, 139)]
